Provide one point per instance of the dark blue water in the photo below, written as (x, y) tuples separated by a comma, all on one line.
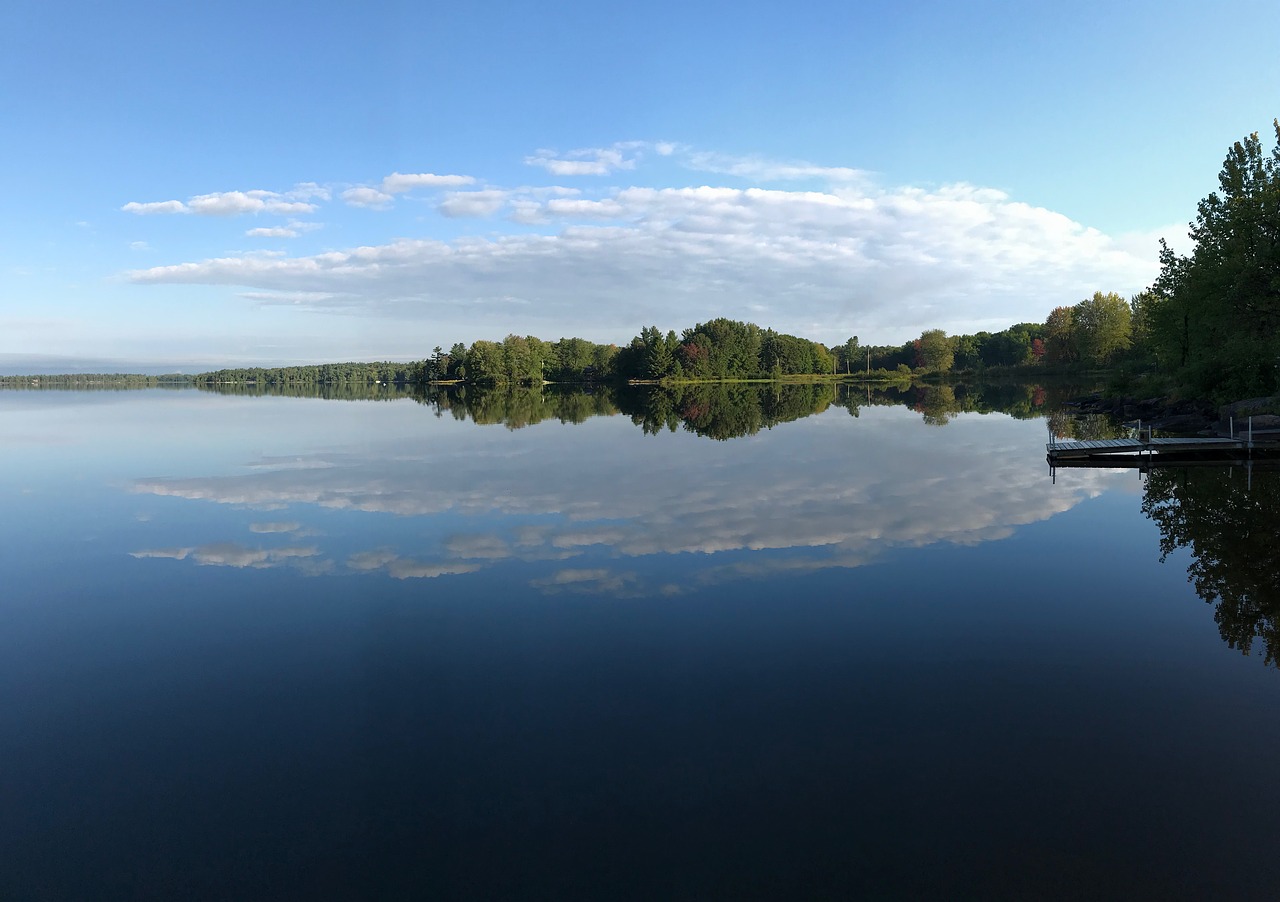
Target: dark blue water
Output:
[(265, 648)]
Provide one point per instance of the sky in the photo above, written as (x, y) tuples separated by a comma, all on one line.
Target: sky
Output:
[(195, 185)]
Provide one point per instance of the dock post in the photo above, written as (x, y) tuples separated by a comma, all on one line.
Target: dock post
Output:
[(1232, 426)]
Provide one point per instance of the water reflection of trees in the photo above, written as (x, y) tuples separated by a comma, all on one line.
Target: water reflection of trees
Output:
[(725, 410), (718, 410), (516, 408), (1232, 529), (1086, 427), (328, 391), (939, 403)]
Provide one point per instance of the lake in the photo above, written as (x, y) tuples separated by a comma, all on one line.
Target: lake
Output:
[(717, 645)]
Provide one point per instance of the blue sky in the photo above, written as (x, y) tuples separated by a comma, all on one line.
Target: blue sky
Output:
[(266, 182)]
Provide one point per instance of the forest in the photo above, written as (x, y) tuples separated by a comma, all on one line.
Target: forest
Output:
[(97, 381)]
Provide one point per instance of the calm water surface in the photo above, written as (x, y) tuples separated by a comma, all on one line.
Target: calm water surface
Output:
[(272, 647)]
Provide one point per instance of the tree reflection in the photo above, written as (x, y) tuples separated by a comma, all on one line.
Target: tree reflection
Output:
[(328, 391), (1232, 529), (516, 408), (716, 410), (937, 404), (723, 411), (1085, 427)]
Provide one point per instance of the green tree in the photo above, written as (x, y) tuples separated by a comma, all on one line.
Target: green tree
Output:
[(1060, 336), (457, 359), (966, 351), (484, 363), (1101, 326), (850, 355), (1215, 315), (723, 349), (572, 357), (521, 363), (1012, 347), (933, 351), (602, 357)]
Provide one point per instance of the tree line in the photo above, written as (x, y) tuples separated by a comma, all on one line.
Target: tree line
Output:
[(98, 381), (381, 372)]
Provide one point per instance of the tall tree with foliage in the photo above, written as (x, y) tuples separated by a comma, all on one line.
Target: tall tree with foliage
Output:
[(1215, 315), (1060, 336), (1100, 326), (934, 351)]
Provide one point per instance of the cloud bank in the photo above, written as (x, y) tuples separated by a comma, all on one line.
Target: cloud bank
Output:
[(235, 203), (832, 256)]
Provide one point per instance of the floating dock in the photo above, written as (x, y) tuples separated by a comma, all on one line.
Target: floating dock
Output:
[(1147, 451), (1060, 452)]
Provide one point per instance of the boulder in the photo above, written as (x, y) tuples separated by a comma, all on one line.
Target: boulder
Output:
[(1247, 407), (1184, 424)]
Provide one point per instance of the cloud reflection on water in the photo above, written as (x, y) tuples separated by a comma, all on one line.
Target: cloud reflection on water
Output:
[(828, 491), (233, 554)]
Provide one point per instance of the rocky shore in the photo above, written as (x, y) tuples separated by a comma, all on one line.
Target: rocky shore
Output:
[(1185, 417)]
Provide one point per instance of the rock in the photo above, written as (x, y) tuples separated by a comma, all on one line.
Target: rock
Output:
[(1261, 421), (1184, 424), (1247, 407)]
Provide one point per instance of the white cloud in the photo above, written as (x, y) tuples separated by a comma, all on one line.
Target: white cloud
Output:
[(288, 208), (765, 170), (308, 191), (526, 212), (276, 232), (585, 209), (364, 196), (288, 298), (139, 246), (225, 203), (587, 161), (234, 203), (882, 264), (292, 230), (458, 204), (150, 209), (399, 182)]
